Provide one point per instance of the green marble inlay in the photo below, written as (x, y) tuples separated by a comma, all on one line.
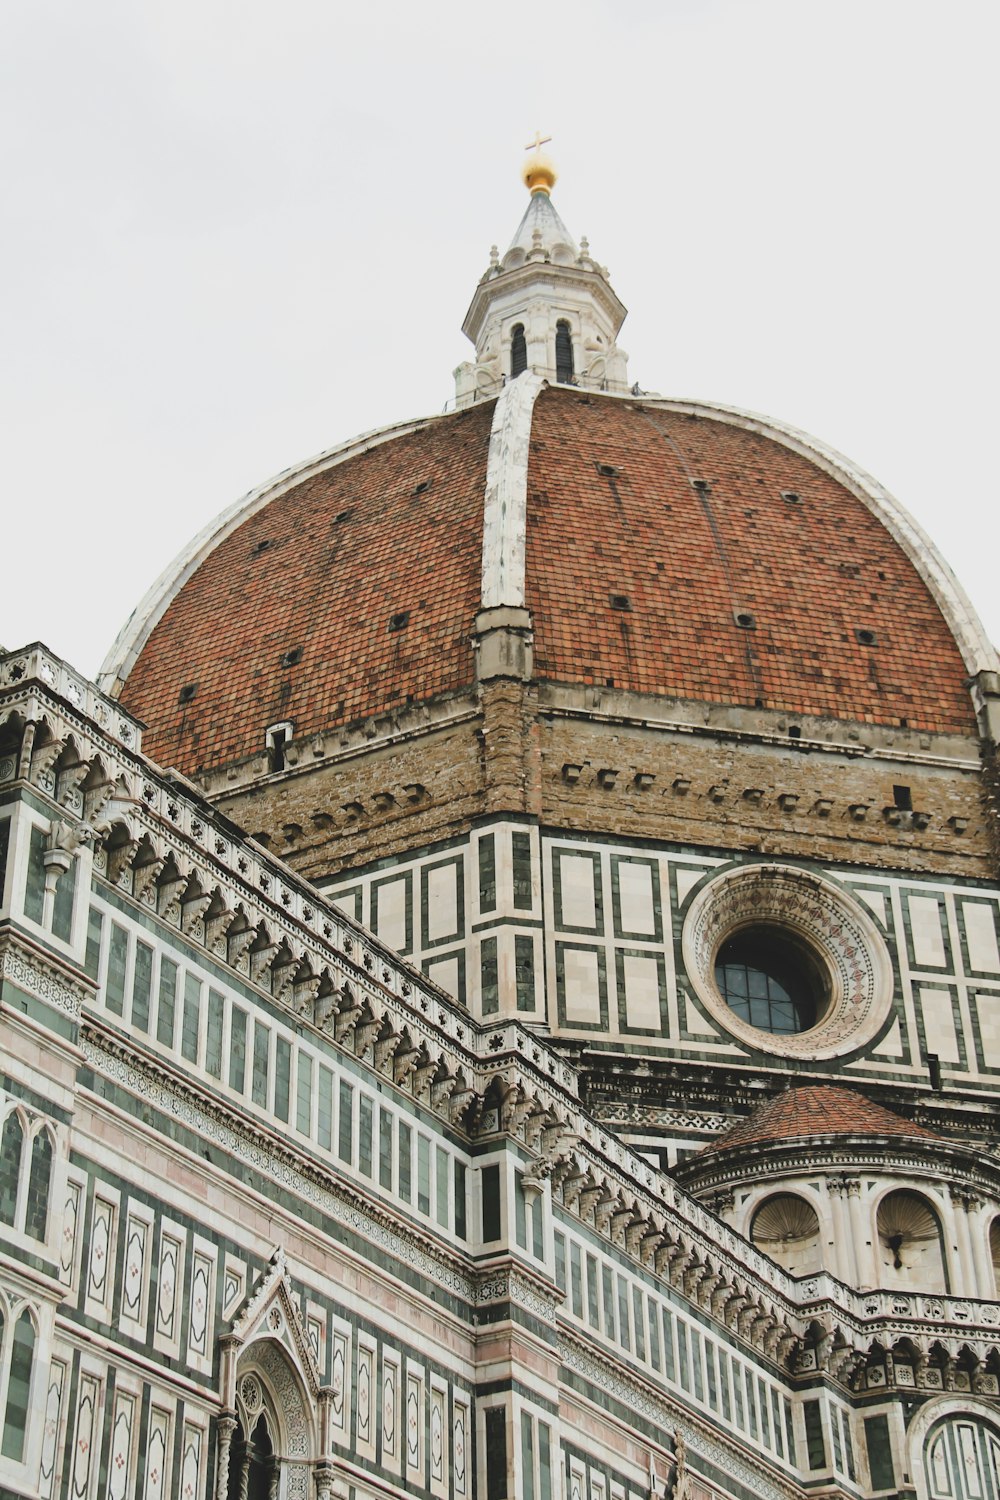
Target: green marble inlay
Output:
[(524, 971), (489, 977), (521, 858), (487, 872)]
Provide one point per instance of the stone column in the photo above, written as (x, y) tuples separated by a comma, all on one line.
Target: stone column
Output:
[(846, 1267), (329, 1484), (957, 1243), (858, 1235), (272, 1469), (978, 1232), (225, 1426)]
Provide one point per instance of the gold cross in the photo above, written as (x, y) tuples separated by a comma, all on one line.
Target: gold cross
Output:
[(539, 141)]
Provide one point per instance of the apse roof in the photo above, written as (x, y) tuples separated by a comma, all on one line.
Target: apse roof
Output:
[(809, 1110)]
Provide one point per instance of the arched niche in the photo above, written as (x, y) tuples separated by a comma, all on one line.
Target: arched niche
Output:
[(786, 1227), (995, 1254), (910, 1251)]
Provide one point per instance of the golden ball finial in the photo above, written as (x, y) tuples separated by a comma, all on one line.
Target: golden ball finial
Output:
[(538, 172)]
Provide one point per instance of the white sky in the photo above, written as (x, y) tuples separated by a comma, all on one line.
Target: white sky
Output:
[(234, 234)]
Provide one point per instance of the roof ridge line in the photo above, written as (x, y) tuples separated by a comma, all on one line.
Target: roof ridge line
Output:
[(505, 500)]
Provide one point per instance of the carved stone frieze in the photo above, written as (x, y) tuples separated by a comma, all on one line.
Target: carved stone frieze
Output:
[(43, 978)]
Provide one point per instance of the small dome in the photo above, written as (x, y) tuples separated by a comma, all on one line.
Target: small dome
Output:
[(813, 1110)]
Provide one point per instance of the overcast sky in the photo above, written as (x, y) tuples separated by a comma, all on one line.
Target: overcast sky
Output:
[(235, 234)]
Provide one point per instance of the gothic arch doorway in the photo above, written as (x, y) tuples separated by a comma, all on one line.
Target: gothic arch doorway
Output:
[(272, 1443), (274, 1407)]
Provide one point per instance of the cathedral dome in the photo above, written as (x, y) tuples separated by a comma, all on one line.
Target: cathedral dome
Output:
[(663, 548), (660, 549)]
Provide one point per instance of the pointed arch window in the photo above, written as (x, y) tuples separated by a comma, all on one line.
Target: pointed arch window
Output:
[(518, 351), (564, 353), (11, 1142), (253, 1468), (26, 1149), (36, 1209)]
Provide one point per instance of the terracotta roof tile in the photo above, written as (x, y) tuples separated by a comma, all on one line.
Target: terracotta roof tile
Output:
[(612, 511), (815, 1110), (324, 567), (811, 573)]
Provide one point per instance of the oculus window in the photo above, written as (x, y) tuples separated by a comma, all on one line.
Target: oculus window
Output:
[(771, 980)]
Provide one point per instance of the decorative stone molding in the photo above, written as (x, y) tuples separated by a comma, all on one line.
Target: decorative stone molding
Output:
[(510, 1283), (42, 978), (283, 1165), (635, 1395), (506, 500), (834, 926)]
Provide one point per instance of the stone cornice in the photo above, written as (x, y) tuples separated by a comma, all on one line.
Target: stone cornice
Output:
[(889, 1155), (621, 708), (43, 974)]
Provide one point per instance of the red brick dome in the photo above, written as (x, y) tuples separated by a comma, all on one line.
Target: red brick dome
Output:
[(667, 549)]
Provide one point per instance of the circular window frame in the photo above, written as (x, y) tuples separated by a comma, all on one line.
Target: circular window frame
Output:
[(811, 992), (815, 912)]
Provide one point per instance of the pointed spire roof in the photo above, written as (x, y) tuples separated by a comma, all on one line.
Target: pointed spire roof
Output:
[(814, 1110), (540, 217), (548, 297)]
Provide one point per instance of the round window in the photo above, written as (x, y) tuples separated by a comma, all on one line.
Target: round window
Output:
[(787, 961), (771, 979)]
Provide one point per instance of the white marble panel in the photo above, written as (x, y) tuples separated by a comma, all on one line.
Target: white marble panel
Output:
[(391, 900), (981, 936), (940, 1025), (875, 903), (442, 901), (445, 972), (635, 896), (577, 899), (582, 986), (925, 928), (686, 881), (642, 991), (891, 1044), (987, 1006)]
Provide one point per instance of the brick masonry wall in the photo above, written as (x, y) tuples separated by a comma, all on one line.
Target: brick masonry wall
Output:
[(704, 791), (701, 789), (375, 805)]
